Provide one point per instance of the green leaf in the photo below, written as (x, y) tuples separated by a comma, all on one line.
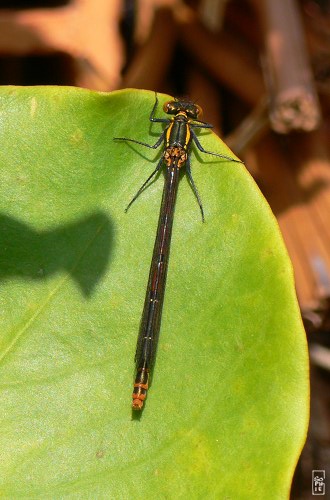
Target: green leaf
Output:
[(227, 411)]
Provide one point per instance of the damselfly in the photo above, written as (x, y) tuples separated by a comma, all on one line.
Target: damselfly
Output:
[(177, 137)]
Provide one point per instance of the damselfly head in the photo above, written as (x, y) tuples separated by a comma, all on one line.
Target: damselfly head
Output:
[(188, 108)]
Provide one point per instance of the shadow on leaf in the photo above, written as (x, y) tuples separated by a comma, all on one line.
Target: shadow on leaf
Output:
[(81, 248)]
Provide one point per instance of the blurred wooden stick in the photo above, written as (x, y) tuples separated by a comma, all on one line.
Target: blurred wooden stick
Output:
[(250, 129), (293, 98), (226, 59), (148, 68), (205, 92)]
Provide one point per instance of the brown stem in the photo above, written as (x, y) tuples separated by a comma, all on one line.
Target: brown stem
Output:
[(204, 91), (150, 64), (250, 129), (293, 98), (226, 59)]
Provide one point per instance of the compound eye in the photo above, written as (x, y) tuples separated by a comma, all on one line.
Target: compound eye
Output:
[(165, 107), (199, 111), (169, 107)]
